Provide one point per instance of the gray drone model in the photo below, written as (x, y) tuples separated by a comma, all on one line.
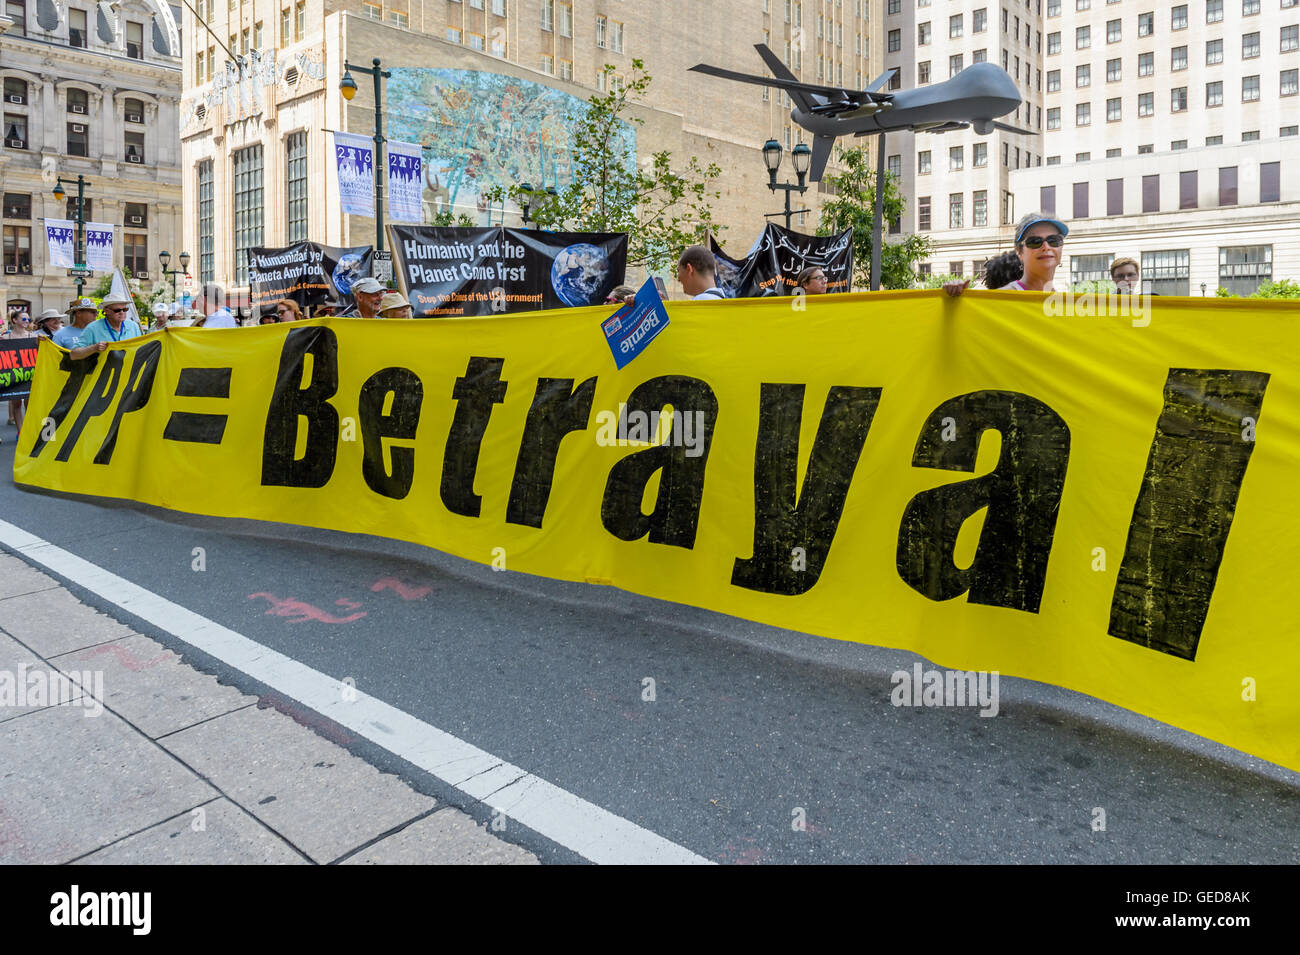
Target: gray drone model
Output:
[(975, 97)]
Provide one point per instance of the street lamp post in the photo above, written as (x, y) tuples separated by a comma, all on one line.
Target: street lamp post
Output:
[(79, 255), (801, 156), (165, 258), (532, 198), (348, 87)]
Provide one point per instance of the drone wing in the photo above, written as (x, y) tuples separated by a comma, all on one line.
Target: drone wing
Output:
[(1013, 129)]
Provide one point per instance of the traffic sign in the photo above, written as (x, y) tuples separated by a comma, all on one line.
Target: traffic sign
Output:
[(381, 265), (82, 271)]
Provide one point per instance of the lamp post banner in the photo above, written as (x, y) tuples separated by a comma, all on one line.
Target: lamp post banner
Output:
[(405, 181), (99, 245), (1096, 492), (456, 272), (354, 158), (307, 272), (59, 235), (779, 256)]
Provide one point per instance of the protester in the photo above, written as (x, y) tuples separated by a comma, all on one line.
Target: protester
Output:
[(113, 327), (81, 313), (812, 280), (215, 313), (620, 294), (1002, 270), (368, 293), (161, 315), (49, 322), (394, 305), (19, 327), (326, 309), (697, 273), (1127, 276), (1038, 245), (269, 316), (287, 310)]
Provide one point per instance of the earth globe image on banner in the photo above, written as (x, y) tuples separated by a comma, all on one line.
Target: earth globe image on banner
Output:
[(579, 274), (348, 271)]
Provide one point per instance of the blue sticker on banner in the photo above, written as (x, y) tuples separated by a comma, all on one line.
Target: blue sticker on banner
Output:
[(633, 327)]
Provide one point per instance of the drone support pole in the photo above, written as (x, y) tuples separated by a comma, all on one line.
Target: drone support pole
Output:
[(877, 229)]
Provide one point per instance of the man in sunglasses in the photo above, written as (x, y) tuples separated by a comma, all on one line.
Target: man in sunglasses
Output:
[(1039, 240), (115, 326)]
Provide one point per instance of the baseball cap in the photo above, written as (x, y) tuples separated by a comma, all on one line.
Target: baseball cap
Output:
[(1035, 218), (368, 285)]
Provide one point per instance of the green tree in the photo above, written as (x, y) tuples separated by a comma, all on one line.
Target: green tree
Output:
[(144, 298), (936, 281), (661, 209), (447, 220), (853, 207), (1282, 288)]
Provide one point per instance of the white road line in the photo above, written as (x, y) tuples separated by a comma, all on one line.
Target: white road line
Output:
[(583, 827)]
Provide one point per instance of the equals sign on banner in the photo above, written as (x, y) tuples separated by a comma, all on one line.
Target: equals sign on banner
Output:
[(192, 426)]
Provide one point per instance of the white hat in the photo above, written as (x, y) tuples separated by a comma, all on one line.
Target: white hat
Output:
[(111, 299), (48, 314), (368, 285), (161, 308), (83, 303)]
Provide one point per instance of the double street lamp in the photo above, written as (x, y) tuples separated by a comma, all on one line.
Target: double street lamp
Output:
[(531, 198), (79, 255), (165, 258), (801, 156), (348, 87)]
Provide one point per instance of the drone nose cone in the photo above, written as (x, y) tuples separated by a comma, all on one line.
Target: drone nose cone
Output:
[(983, 126)]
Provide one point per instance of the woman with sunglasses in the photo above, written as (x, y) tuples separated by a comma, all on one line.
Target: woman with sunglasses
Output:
[(20, 326), (1039, 240), (287, 310)]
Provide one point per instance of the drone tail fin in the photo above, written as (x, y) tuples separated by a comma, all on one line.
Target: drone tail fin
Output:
[(801, 99), (821, 152)]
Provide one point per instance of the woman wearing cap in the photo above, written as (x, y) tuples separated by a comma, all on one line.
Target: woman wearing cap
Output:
[(20, 326), (394, 305), (1038, 245)]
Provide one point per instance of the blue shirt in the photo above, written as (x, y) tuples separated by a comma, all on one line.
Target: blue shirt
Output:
[(100, 331), (66, 337)]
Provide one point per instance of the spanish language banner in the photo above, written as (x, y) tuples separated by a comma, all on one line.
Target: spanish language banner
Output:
[(307, 272), (779, 255), (17, 366), (486, 271), (998, 481)]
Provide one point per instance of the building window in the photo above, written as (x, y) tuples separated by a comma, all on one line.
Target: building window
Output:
[(1082, 38), (1289, 84), (135, 215), (1227, 185), (1053, 44), (1146, 24), (15, 131), (955, 212), (980, 156), (1146, 149), (476, 42), (1151, 192), (1178, 58), (566, 69), (206, 232), (1249, 8), (1244, 268), (923, 214), (1250, 88), (1053, 81), (78, 140), (1114, 197), (923, 73), (548, 64), (18, 205), (894, 7), (1054, 117), (1113, 153), (1178, 18), (923, 34), (1053, 8), (135, 40), (1289, 131), (956, 26), (133, 146), (1114, 109), (1178, 99), (1213, 52), (1114, 31), (1080, 200), (1178, 144), (1146, 64), (499, 8), (373, 10), (78, 101), (398, 19), (1214, 93), (1053, 160), (247, 167), (1008, 207), (1213, 11), (954, 65), (453, 35), (923, 270), (1090, 268), (895, 38), (1214, 140), (133, 111), (1249, 45), (1081, 5), (1291, 38), (1082, 114), (956, 158), (894, 166), (87, 208), (1270, 182), (18, 249), (979, 20), (1250, 136), (1047, 200), (616, 38), (1166, 272), (1114, 70), (980, 208), (923, 163), (548, 14), (77, 28), (135, 253), (1083, 75), (1083, 157), (300, 18), (295, 154), (566, 20)]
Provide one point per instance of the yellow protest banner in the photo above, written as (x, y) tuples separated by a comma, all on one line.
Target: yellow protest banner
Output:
[(1001, 481)]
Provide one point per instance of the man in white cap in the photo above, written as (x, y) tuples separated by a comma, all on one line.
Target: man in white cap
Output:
[(161, 313), (80, 314), (212, 299), (368, 293), (115, 326)]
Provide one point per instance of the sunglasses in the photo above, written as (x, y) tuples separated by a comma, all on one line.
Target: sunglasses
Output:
[(115, 311), (1036, 241)]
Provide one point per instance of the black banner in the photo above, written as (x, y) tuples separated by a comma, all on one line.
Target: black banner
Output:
[(17, 365), (307, 272), (486, 271), (777, 259)]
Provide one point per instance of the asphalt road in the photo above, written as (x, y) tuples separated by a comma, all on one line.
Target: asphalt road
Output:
[(749, 725)]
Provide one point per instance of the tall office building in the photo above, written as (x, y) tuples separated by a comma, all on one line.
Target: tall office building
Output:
[(484, 86), (97, 96), (1166, 135)]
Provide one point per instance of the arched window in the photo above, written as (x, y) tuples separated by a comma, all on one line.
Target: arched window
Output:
[(134, 109)]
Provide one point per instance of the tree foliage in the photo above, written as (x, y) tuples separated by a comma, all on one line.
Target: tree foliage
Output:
[(853, 207), (1282, 288), (661, 209), (144, 298)]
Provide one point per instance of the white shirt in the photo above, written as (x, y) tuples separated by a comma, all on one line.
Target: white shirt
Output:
[(221, 318), (710, 293)]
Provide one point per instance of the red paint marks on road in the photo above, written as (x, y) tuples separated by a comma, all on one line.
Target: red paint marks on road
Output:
[(346, 604), (128, 659), (298, 612), (405, 591)]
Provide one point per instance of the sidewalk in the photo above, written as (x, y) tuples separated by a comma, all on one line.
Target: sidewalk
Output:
[(151, 761)]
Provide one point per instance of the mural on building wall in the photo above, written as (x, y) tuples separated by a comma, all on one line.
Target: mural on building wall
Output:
[(480, 130), (240, 90)]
